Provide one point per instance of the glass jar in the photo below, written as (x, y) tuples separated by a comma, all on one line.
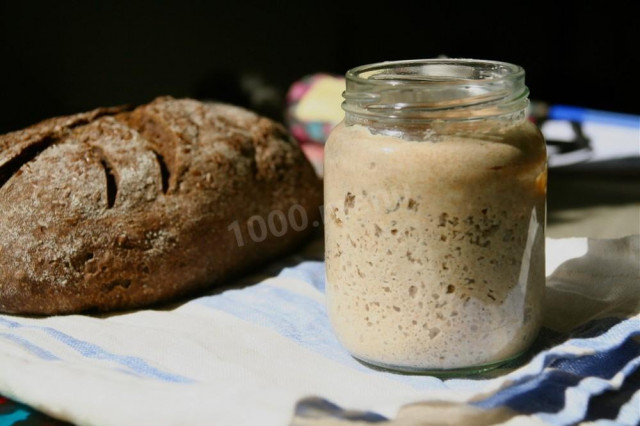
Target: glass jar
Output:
[(435, 199)]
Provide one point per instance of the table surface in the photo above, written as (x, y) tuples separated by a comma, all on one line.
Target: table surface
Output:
[(596, 206)]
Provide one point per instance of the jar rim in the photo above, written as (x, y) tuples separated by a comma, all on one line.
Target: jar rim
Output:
[(428, 89), (501, 70)]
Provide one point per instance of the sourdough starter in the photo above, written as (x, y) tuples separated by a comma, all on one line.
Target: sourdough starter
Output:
[(435, 248)]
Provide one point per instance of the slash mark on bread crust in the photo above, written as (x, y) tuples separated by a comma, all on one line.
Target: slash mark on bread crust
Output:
[(12, 167)]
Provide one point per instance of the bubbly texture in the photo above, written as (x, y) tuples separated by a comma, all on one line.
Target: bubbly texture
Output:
[(435, 248)]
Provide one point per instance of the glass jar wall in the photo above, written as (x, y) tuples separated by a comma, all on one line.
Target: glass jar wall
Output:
[(435, 189)]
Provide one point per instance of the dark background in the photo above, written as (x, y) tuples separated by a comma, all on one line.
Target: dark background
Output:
[(61, 57)]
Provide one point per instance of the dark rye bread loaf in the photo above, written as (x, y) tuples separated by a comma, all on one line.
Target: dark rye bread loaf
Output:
[(116, 209)]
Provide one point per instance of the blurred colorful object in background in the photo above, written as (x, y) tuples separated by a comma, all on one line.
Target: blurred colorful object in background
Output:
[(578, 139), (15, 414), (313, 110)]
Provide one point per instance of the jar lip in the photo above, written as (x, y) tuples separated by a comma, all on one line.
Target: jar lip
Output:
[(430, 89), (496, 71)]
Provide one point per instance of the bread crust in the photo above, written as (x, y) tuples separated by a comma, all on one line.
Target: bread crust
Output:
[(116, 209)]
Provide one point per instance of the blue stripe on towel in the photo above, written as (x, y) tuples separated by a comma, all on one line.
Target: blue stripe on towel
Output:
[(543, 393), (603, 364), (583, 376), (33, 348), (89, 350), (588, 387), (546, 392)]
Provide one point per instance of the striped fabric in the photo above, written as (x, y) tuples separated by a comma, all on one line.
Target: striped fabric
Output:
[(265, 354)]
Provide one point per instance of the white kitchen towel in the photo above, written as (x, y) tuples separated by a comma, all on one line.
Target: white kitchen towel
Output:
[(256, 355)]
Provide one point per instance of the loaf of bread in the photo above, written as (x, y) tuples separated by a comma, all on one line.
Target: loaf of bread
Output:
[(118, 209)]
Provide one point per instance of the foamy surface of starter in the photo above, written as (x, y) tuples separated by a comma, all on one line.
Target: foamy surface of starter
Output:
[(435, 249)]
